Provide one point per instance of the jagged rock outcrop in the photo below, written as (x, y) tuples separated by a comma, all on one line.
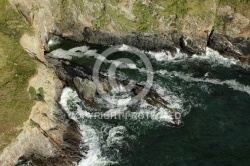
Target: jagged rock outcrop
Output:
[(53, 139), (80, 78), (162, 25), (236, 47), (86, 88), (142, 41), (49, 137)]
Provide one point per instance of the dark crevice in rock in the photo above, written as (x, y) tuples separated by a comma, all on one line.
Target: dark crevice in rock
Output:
[(209, 36)]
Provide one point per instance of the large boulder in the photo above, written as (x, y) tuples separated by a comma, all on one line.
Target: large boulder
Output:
[(85, 88)]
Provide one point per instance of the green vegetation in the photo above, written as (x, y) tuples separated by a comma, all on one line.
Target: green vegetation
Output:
[(16, 68), (32, 92), (33, 123), (177, 7), (147, 15), (144, 12), (40, 94), (101, 16), (123, 24), (99, 22), (82, 6), (201, 8), (37, 95), (62, 11)]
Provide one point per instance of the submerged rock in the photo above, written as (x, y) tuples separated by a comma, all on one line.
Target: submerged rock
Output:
[(56, 139), (80, 78)]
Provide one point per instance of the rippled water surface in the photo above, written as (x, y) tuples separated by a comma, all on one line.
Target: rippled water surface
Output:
[(211, 92)]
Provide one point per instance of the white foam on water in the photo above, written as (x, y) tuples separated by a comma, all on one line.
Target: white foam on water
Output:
[(54, 41), (93, 157), (81, 49), (61, 54), (188, 77), (119, 88), (211, 55), (167, 56), (174, 101), (162, 115), (78, 52), (104, 59), (160, 56), (124, 47), (114, 112), (237, 86), (214, 57), (120, 64), (144, 111), (68, 55), (118, 98), (149, 112), (91, 53), (121, 101), (116, 136)]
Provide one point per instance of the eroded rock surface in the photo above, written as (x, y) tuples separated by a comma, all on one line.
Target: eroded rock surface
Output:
[(80, 78), (122, 22), (49, 137)]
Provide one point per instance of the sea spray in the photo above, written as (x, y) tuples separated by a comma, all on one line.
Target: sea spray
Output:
[(93, 156), (186, 82), (187, 77)]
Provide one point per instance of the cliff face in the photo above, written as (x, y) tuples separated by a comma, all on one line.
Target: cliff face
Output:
[(49, 137), (147, 24)]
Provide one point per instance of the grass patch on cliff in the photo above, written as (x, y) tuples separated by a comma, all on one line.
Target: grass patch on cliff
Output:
[(201, 8), (121, 23), (148, 15), (145, 17), (16, 68)]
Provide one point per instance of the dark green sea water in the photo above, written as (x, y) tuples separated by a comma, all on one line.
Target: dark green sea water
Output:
[(213, 95)]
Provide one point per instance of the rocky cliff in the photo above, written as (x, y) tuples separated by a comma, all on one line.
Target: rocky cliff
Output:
[(147, 24), (49, 137)]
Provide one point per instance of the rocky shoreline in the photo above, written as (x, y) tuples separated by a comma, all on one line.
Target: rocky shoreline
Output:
[(237, 48), (55, 139), (49, 137), (78, 77), (223, 29)]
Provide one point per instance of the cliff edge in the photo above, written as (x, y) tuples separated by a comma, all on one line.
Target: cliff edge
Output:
[(147, 24), (49, 136)]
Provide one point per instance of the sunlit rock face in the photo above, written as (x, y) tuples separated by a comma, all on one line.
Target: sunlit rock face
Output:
[(144, 24), (162, 24)]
